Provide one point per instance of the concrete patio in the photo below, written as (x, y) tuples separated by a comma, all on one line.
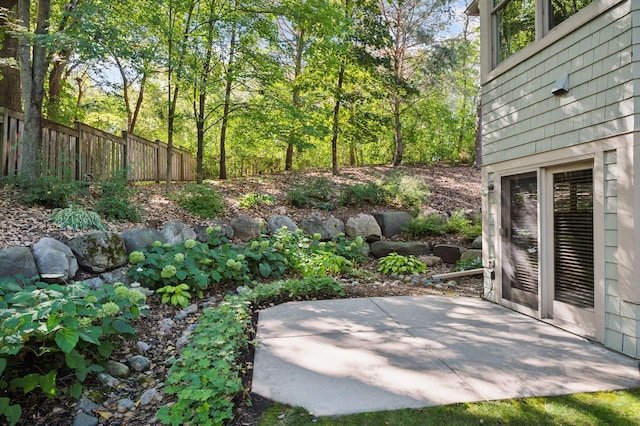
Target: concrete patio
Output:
[(336, 357)]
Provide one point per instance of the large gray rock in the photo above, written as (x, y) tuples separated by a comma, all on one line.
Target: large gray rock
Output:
[(391, 223), (405, 248), (334, 227), (99, 251), (55, 260), (245, 227), (177, 232), (225, 229), (477, 243), (365, 226), (141, 238), (279, 221), (17, 261), (471, 254), (328, 229), (448, 253)]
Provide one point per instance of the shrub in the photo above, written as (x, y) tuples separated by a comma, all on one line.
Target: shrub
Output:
[(317, 192), (401, 265), (370, 193), (468, 264), (59, 328), (251, 200), (76, 218), (47, 191), (424, 226), (409, 192), (201, 200), (459, 224), (114, 202)]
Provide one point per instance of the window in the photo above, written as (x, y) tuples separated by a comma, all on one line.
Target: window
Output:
[(515, 24), (518, 23)]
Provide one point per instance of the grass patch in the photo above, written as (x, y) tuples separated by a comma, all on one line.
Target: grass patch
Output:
[(619, 408)]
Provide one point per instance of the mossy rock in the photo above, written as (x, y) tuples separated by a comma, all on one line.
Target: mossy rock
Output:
[(99, 251)]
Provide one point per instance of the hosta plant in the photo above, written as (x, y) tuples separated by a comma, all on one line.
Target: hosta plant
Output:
[(76, 218), (395, 263)]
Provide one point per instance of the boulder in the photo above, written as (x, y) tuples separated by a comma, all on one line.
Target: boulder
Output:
[(477, 243), (55, 260), (118, 275), (177, 232), (405, 248), (245, 227), (17, 261), (391, 223), (334, 227), (449, 253), (471, 254), (141, 238), (278, 221), (430, 260), (328, 229), (99, 251), (365, 226), (201, 230)]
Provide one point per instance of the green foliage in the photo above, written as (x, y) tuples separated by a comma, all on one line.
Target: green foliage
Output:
[(316, 192), (114, 202), (409, 192), (434, 225), (468, 264), (206, 379), (76, 218), (47, 191), (425, 226), (201, 200), (59, 329), (370, 193), (177, 295), (251, 200), (395, 263), (265, 258)]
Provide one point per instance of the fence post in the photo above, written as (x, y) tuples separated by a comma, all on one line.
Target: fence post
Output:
[(125, 154), (158, 160), (78, 168), (3, 140)]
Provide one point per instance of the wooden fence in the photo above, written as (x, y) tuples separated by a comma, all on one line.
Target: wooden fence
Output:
[(82, 152)]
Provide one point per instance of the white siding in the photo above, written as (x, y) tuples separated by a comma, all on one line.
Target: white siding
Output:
[(520, 115)]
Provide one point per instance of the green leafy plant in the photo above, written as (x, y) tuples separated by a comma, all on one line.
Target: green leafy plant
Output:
[(76, 218), (409, 192), (425, 226), (59, 329), (317, 192), (395, 263), (458, 223), (355, 195), (468, 264), (177, 295), (46, 191), (207, 378), (251, 200), (201, 200), (114, 202)]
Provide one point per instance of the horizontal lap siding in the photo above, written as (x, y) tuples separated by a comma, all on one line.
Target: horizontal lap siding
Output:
[(520, 115)]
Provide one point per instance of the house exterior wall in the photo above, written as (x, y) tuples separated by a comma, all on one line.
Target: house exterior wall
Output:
[(526, 128)]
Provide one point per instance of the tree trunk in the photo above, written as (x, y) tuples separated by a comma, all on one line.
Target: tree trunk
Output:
[(202, 99), (227, 102), (398, 133), (33, 69), (11, 96), (295, 93), (336, 123)]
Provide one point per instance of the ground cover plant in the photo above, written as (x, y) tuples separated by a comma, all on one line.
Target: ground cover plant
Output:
[(68, 331), (201, 200), (76, 218), (436, 224), (620, 408)]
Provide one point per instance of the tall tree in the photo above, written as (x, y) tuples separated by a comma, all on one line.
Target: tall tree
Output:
[(33, 61), (413, 26), (10, 95)]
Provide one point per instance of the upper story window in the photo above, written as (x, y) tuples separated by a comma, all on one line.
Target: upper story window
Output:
[(518, 23), (515, 22), (561, 10)]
